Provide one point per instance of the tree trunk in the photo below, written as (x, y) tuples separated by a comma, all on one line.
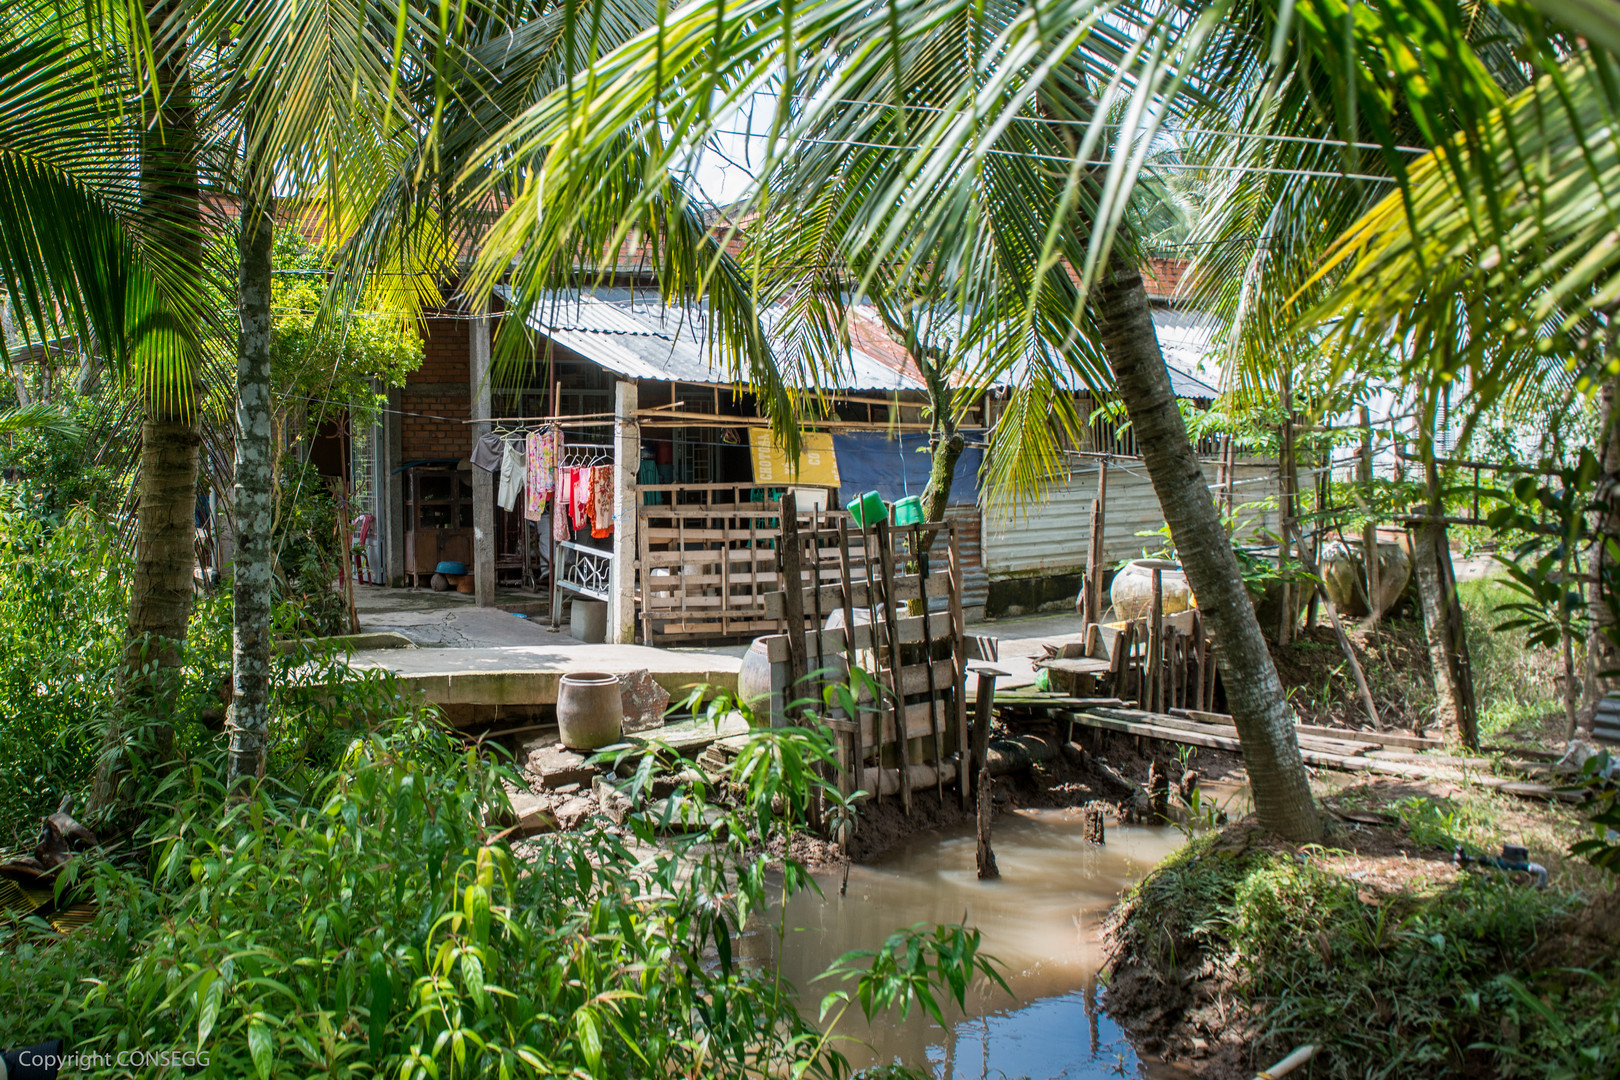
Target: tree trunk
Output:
[(249, 721), (165, 535), (1265, 723), (1602, 647), (1442, 614), (937, 495)]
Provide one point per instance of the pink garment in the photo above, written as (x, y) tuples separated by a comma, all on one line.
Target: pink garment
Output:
[(602, 501), (579, 508), (560, 508), (542, 473)]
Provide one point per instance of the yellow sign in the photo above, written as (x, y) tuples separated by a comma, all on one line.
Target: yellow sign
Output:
[(817, 465)]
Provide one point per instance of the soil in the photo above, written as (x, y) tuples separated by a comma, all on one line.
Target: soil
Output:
[(1059, 783), (1395, 659)]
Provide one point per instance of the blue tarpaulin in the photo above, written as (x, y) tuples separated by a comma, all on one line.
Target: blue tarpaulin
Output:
[(897, 467)]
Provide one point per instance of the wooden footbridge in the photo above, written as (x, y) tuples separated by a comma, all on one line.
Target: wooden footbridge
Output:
[(1380, 752)]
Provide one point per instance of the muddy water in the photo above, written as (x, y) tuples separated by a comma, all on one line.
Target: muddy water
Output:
[(1041, 920)]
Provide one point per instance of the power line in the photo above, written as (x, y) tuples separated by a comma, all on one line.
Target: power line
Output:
[(1306, 139), (1183, 166)]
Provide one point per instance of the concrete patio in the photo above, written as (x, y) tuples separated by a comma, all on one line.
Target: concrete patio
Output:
[(463, 655)]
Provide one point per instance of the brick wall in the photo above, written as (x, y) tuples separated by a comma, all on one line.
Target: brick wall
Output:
[(439, 388)]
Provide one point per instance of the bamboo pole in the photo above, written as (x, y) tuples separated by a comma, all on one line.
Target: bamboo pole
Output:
[(986, 856)]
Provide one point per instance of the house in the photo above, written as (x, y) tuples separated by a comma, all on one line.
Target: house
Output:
[(632, 385)]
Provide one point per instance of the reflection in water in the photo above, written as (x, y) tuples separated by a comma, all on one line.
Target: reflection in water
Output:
[(1040, 920)]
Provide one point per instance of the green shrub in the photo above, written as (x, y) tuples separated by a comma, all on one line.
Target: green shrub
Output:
[(378, 923), (1431, 981)]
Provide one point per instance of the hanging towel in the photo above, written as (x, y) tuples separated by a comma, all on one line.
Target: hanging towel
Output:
[(559, 509), (487, 452), (542, 455), (579, 508), (601, 501), (513, 474)]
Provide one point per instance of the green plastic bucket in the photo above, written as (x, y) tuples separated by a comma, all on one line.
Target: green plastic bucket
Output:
[(907, 511), (868, 509)]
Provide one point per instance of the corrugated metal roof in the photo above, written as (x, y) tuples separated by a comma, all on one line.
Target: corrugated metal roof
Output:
[(637, 336), (1184, 339), (634, 334)]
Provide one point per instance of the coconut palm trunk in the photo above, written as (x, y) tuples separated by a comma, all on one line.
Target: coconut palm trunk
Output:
[(249, 720), (1265, 723), (161, 583), (1603, 644)]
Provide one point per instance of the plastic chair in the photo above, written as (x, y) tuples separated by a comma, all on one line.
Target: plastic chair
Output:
[(361, 554)]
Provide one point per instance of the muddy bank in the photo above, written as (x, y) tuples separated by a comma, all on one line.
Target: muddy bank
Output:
[(1108, 769), (1375, 945)]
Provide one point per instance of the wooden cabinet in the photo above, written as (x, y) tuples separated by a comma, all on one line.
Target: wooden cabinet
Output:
[(438, 518)]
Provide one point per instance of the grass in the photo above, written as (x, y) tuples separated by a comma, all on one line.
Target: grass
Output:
[(1376, 948), (1519, 688)]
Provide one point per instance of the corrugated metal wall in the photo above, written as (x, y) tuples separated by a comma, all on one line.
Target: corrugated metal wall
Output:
[(1051, 537), (975, 578)]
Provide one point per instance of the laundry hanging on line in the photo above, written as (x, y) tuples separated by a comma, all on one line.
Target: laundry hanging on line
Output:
[(579, 507), (601, 501), (487, 452), (564, 504), (542, 458), (514, 473)]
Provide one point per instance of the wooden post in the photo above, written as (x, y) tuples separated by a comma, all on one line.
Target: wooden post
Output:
[(792, 599), (1201, 652), (1158, 790), (1153, 677), (1369, 531), (483, 481), (626, 521), (1091, 597), (981, 767), (1094, 825), (1229, 495), (921, 557), (1362, 690), (959, 654), (391, 486), (1094, 549), (886, 566), (877, 652), (1286, 509), (856, 747)]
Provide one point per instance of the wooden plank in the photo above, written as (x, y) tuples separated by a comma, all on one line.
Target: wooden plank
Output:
[(858, 746), (928, 653), (1079, 665), (909, 630), (896, 672), (793, 605), (975, 646), (960, 650), (913, 678), (905, 588), (1379, 738)]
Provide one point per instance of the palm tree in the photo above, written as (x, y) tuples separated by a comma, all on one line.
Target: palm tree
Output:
[(985, 71), (1490, 261), (100, 230)]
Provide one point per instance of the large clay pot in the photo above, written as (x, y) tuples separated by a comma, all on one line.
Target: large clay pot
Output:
[(754, 680), (1344, 577), (590, 712), (1132, 590)]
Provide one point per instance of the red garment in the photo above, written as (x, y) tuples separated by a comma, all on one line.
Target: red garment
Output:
[(602, 501), (579, 508)]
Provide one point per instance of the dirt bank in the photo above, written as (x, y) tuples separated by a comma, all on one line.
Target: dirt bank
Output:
[(1375, 945)]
